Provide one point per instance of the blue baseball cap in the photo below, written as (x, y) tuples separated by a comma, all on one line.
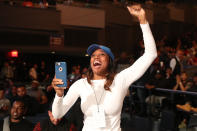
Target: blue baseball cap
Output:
[(94, 47)]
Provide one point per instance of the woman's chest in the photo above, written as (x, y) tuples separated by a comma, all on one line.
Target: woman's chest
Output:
[(93, 98)]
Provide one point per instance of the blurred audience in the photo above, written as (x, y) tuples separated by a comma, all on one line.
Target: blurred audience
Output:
[(38, 94), (123, 61), (4, 103), (75, 74), (7, 71), (30, 102), (11, 93), (43, 75), (33, 74), (175, 62), (16, 121)]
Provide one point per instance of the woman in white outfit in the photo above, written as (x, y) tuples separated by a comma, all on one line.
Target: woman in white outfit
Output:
[(102, 92)]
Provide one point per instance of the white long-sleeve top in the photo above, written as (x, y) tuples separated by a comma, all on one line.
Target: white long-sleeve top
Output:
[(111, 101)]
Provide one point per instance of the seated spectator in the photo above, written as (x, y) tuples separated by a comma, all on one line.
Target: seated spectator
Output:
[(16, 122), (192, 54), (43, 74), (182, 82), (194, 83), (176, 63), (75, 74), (167, 82), (4, 104), (123, 62), (182, 101), (7, 71), (37, 93), (191, 102), (84, 72), (33, 74), (30, 102), (52, 124), (11, 93)]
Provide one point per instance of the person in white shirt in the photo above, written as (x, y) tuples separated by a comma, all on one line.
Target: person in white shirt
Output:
[(103, 91), (175, 63)]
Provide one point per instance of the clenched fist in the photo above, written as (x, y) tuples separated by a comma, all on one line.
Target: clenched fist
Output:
[(138, 11)]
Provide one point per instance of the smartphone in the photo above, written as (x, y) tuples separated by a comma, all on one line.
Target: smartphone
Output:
[(61, 73)]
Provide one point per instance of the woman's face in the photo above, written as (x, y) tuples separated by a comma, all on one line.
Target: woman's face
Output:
[(99, 62)]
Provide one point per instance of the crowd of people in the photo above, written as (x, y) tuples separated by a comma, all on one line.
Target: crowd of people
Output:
[(169, 83), (31, 86), (173, 69)]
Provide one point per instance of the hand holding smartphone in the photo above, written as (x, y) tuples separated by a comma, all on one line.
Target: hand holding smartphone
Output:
[(61, 73)]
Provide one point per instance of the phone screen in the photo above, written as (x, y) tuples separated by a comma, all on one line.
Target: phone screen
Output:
[(61, 73)]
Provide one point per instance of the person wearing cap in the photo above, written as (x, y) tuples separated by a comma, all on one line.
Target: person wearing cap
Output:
[(103, 91)]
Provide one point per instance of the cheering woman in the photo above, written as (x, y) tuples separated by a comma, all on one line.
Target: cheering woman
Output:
[(103, 91)]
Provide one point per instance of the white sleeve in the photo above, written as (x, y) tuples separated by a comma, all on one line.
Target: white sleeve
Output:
[(61, 105), (135, 71), (173, 64)]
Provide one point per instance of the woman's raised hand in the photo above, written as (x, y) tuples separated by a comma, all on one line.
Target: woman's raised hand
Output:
[(138, 11), (58, 90)]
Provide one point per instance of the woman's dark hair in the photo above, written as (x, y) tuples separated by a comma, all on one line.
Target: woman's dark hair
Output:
[(109, 76)]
